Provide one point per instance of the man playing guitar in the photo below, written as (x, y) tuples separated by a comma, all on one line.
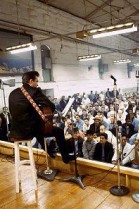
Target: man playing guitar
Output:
[(25, 120)]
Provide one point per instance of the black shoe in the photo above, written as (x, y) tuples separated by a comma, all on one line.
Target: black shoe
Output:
[(71, 157), (68, 158), (52, 154)]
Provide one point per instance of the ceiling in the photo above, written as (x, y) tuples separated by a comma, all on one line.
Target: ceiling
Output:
[(101, 13)]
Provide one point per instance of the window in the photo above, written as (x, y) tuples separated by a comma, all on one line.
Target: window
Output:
[(46, 63)]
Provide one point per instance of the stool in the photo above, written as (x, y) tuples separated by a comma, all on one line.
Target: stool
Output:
[(19, 162)]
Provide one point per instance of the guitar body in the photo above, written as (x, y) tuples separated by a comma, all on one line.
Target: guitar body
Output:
[(46, 128)]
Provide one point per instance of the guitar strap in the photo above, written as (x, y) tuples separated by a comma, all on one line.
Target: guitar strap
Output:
[(27, 95)]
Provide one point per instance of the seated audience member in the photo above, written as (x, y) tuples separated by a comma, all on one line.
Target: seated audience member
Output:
[(68, 129), (120, 116), (76, 102), (111, 137), (84, 114), (63, 103), (102, 109), (133, 138), (103, 150), (134, 120), (96, 109), (89, 146), (86, 125), (85, 101), (128, 128), (5, 121), (127, 153), (135, 162), (76, 141), (96, 125), (111, 111), (78, 122), (90, 118), (112, 122), (103, 120)]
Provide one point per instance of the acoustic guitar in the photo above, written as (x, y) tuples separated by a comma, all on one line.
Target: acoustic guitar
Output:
[(46, 126)]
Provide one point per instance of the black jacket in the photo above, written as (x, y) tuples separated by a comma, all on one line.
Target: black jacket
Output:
[(24, 118), (70, 146), (108, 152)]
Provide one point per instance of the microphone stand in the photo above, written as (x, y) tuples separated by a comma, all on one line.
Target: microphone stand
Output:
[(118, 190), (76, 178), (47, 174)]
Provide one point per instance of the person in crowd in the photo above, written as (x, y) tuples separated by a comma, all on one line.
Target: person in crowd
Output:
[(68, 129), (57, 105), (112, 121), (135, 161), (86, 125), (134, 120), (26, 121), (85, 101), (95, 127), (103, 120), (62, 103), (91, 96), (79, 122), (75, 143), (89, 146), (108, 93), (120, 116), (103, 150), (111, 111), (126, 153), (77, 101), (84, 114), (96, 109), (103, 111), (5, 121), (111, 138), (128, 128)]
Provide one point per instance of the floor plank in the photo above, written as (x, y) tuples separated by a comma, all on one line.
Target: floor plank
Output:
[(57, 194)]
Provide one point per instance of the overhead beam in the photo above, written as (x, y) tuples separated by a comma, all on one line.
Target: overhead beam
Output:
[(51, 35), (98, 9), (129, 17)]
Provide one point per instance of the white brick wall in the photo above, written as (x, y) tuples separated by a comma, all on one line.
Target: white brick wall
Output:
[(70, 76)]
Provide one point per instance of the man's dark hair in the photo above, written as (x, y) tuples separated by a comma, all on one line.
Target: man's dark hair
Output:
[(89, 132), (104, 134), (29, 75)]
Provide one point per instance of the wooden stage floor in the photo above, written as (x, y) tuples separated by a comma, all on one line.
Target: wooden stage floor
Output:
[(56, 194)]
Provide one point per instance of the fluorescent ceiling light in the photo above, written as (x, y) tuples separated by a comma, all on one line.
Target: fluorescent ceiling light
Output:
[(113, 30), (89, 57), (21, 48), (122, 61), (136, 65)]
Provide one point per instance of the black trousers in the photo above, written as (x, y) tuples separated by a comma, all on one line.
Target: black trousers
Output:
[(58, 133)]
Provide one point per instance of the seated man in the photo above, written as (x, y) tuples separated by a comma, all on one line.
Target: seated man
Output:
[(94, 127), (126, 153), (75, 143), (103, 150), (135, 162), (89, 146), (128, 128), (111, 138), (26, 121)]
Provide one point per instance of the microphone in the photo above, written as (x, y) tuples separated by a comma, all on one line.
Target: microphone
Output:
[(113, 78)]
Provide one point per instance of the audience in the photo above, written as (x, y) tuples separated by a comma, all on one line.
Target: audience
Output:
[(93, 115)]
